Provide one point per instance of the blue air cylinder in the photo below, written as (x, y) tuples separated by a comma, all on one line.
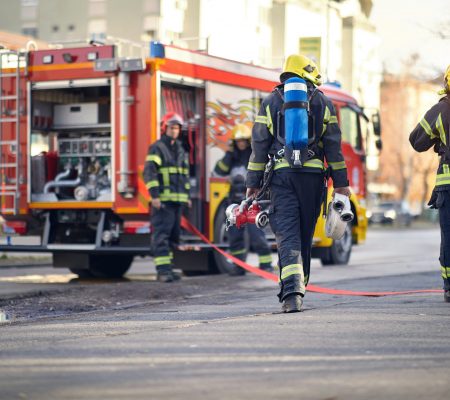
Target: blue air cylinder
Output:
[(296, 114)]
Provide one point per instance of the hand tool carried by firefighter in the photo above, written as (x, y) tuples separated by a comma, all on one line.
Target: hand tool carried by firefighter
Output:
[(338, 216)]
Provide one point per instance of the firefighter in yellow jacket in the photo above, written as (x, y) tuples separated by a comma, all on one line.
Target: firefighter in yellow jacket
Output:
[(433, 131), (166, 175)]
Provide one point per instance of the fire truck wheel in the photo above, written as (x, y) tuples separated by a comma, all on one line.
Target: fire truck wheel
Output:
[(110, 266), (340, 251), (221, 236)]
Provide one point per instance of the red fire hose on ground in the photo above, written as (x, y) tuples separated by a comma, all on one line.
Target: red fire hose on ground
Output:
[(311, 288)]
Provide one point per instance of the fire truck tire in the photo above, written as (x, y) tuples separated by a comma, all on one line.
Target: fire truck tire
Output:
[(110, 266), (340, 251), (220, 236)]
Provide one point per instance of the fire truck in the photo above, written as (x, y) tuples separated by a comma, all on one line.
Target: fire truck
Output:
[(75, 126)]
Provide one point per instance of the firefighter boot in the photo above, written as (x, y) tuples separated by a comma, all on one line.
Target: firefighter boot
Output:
[(447, 296), (292, 287), (166, 275), (292, 303)]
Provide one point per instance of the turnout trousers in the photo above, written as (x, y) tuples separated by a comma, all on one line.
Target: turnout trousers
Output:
[(296, 199), (258, 243), (443, 204), (165, 223)]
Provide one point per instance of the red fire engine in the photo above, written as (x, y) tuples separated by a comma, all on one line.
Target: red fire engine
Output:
[(75, 125)]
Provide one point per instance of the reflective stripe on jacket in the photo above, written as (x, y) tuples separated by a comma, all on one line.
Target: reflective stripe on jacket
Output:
[(166, 171), (433, 130), (327, 145)]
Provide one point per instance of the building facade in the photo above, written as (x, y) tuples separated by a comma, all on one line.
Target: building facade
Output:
[(403, 173)]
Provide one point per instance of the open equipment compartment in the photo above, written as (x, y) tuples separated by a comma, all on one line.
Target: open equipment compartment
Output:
[(70, 141)]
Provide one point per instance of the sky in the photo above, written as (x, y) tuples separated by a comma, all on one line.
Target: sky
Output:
[(406, 27)]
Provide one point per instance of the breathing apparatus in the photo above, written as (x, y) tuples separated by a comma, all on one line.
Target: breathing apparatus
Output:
[(338, 216), (295, 108)]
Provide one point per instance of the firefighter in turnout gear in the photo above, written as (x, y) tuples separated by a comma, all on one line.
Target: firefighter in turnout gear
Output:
[(433, 131), (166, 175), (234, 164), (296, 192)]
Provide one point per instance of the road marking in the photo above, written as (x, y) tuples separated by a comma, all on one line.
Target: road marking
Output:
[(211, 359)]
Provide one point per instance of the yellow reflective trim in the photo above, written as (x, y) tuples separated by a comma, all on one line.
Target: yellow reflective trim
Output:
[(292, 269), (162, 260), (165, 174), (337, 165), (333, 120), (236, 252), (176, 197), (440, 128), (262, 119), (152, 184), (443, 179), (281, 164), (446, 169), (444, 272), (174, 170), (256, 166), (223, 166), (326, 116), (269, 120), (265, 259), (427, 128), (314, 163), (155, 158)]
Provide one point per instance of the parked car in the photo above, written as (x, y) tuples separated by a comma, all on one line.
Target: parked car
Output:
[(390, 212)]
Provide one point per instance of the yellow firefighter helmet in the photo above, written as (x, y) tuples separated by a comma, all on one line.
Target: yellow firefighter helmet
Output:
[(446, 88), (304, 67), (241, 132)]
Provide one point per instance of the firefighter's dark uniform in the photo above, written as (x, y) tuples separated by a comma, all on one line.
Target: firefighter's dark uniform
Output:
[(232, 164), (433, 130), (166, 175), (296, 193)]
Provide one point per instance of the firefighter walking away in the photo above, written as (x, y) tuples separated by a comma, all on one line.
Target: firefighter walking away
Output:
[(166, 175), (300, 133), (234, 164), (433, 131)]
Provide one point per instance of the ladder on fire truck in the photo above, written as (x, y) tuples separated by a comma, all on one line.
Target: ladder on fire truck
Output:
[(11, 63)]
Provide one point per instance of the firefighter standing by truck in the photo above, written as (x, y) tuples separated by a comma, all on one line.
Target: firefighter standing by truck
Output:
[(433, 130), (234, 164), (296, 192), (166, 175)]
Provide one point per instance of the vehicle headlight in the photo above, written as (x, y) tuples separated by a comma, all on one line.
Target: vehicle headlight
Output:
[(390, 214)]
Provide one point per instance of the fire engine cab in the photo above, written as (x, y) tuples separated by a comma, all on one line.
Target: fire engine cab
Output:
[(75, 126)]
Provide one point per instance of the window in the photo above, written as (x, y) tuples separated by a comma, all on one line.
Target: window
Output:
[(350, 127), (97, 29), (30, 31), (29, 10)]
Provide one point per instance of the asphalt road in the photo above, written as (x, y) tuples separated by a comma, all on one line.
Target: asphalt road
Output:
[(222, 337)]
